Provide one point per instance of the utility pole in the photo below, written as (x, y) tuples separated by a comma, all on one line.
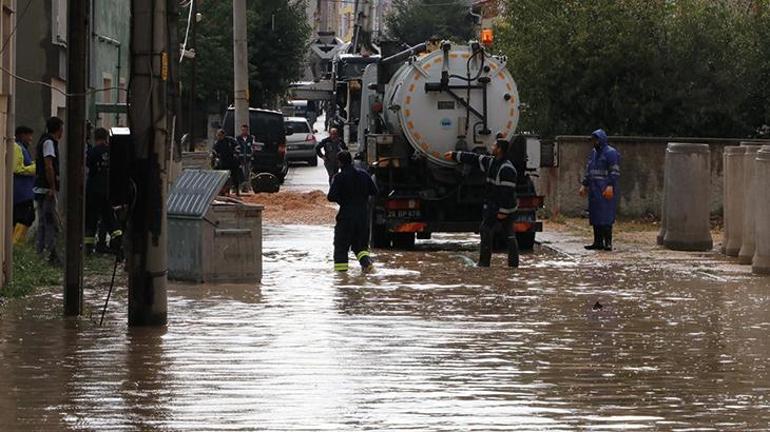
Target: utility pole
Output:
[(77, 81), (150, 120), (193, 71), (240, 65)]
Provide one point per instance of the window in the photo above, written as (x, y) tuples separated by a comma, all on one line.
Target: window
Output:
[(299, 127), (59, 28)]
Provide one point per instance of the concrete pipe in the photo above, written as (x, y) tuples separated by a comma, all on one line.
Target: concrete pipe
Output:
[(734, 197), (746, 254), (761, 264), (662, 232), (687, 197)]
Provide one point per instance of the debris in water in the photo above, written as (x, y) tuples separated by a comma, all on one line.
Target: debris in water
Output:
[(598, 306)]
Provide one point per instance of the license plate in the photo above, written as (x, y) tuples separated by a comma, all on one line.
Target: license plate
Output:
[(293, 147), (404, 214)]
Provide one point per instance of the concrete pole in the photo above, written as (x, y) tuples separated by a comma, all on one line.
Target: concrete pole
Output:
[(152, 137), (10, 126), (193, 74), (77, 82), (240, 65)]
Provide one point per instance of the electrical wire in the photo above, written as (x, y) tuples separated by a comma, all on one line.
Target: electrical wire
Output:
[(15, 26), (186, 33), (62, 92)]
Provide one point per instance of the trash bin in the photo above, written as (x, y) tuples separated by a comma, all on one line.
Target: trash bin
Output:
[(687, 193), (196, 160), (761, 264), (733, 201), (746, 254), (212, 238)]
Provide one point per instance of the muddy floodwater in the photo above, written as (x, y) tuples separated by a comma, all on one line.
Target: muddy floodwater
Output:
[(427, 343)]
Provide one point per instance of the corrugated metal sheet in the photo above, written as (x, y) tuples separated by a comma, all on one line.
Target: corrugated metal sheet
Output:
[(194, 191)]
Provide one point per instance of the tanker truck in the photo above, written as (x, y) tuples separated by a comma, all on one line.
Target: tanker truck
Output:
[(421, 103)]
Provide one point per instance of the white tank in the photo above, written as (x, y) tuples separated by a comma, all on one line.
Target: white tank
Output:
[(433, 122)]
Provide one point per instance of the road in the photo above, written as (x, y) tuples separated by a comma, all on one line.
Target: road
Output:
[(571, 341)]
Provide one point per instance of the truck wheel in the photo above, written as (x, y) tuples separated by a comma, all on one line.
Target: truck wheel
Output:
[(380, 237), (513, 253), (403, 241), (312, 161), (526, 240)]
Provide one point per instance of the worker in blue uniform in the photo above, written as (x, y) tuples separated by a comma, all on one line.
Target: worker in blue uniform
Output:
[(499, 199), (600, 184), (351, 189)]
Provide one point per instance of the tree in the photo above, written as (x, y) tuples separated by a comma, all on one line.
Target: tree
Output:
[(647, 67), (416, 21), (278, 37)]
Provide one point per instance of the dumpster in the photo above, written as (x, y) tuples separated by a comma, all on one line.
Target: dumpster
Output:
[(212, 238)]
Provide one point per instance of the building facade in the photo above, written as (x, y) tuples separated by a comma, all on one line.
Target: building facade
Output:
[(42, 57)]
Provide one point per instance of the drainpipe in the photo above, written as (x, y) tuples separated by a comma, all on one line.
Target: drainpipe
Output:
[(116, 44)]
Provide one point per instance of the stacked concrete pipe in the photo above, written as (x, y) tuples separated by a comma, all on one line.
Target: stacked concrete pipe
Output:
[(761, 262), (746, 254), (687, 197), (734, 199)]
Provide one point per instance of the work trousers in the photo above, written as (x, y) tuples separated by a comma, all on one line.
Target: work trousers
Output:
[(24, 213), (99, 210), (351, 233), (47, 226), (245, 173), (332, 167), (491, 227)]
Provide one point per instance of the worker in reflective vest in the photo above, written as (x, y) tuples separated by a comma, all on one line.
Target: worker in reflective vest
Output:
[(499, 200), (600, 184)]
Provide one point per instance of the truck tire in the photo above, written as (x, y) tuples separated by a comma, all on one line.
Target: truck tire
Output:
[(526, 240), (403, 241), (380, 237)]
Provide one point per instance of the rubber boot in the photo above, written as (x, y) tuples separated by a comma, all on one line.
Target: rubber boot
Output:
[(367, 265), (607, 237), (513, 251), (19, 233), (485, 253), (597, 244)]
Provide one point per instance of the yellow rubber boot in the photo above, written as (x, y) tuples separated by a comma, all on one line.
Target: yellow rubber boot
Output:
[(19, 233)]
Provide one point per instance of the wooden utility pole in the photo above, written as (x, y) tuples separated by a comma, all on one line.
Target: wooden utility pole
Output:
[(77, 82), (150, 119), (240, 65)]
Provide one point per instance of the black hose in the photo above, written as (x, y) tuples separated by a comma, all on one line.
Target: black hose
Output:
[(112, 285)]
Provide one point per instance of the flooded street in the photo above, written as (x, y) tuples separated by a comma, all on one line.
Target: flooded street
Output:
[(427, 343)]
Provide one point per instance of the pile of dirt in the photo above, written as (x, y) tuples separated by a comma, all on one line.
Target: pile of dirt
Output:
[(287, 207)]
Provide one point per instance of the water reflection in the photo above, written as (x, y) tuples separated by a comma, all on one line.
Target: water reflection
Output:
[(426, 343)]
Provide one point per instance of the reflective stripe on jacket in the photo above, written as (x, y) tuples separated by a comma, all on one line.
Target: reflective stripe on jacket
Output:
[(500, 196)]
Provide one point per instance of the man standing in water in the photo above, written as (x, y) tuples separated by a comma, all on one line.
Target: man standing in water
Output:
[(331, 146), (600, 184), (499, 199), (351, 189)]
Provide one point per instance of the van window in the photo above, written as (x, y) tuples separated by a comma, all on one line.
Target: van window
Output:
[(267, 126)]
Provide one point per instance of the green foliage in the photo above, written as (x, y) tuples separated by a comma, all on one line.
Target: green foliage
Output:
[(416, 21), (639, 67), (278, 37), (29, 272)]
